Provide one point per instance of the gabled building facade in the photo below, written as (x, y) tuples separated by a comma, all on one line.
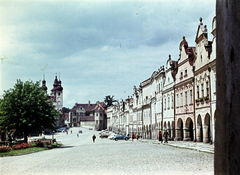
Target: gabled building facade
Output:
[(205, 66), (168, 98), (88, 115), (184, 94), (180, 98)]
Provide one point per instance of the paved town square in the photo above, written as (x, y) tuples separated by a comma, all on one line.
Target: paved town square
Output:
[(80, 155)]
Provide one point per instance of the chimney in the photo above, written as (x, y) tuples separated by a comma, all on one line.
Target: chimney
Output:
[(89, 103)]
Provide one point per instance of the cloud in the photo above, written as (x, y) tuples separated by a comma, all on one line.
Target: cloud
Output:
[(99, 47)]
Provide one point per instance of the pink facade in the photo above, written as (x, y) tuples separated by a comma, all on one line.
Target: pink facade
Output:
[(184, 94)]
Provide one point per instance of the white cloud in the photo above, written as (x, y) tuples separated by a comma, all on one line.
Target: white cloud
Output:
[(99, 47)]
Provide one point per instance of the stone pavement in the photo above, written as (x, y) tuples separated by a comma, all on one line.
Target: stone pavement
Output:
[(198, 146)]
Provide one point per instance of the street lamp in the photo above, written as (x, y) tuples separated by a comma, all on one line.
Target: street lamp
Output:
[(52, 135)]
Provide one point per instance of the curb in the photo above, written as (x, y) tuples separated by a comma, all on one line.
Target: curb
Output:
[(191, 148)]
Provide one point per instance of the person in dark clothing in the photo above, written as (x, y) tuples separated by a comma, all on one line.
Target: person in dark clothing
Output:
[(93, 137), (132, 136), (165, 134), (160, 137)]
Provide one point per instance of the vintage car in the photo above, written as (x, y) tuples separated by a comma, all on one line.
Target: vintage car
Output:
[(120, 137)]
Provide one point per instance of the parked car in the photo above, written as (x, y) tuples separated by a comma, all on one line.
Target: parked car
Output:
[(120, 137), (105, 134), (111, 136), (80, 131), (90, 128), (60, 129)]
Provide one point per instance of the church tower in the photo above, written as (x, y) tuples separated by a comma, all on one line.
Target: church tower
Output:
[(57, 94), (44, 87)]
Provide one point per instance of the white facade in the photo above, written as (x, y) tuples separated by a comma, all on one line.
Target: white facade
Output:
[(168, 100), (204, 74)]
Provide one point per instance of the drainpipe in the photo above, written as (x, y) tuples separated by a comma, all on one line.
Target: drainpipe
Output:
[(142, 120), (194, 110), (155, 115), (174, 113), (210, 99), (150, 119), (162, 113)]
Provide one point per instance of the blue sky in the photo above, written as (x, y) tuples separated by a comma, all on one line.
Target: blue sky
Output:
[(100, 48)]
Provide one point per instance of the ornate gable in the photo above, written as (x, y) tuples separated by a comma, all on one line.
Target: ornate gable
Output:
[(201, 32)]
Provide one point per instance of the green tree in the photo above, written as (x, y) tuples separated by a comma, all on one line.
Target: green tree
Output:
[(65, 110), (109, 101), (27, 109)]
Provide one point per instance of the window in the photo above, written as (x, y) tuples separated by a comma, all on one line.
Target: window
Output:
[(100, 114), (215, 79), (197, 91), (161, 108), (159, 87), (181, 75), (185, 98), (168, 102), (172, 101), (186, 72), (165, 103), (100, 122), (201, 58), (202, 91), (74, 119), (207, 88), (181, 99), (191, 100), (96, 121), (177, 100)]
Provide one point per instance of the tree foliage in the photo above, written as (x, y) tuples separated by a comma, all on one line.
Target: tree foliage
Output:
[(109, 101), (27, 109), (65, 110)]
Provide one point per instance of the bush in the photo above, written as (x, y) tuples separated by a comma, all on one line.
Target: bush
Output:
[(21, 146), (5, 149)]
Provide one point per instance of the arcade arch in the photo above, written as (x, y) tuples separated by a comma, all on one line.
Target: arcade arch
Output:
[(179, 130), (189, 134), (206, 129), (199, 129)]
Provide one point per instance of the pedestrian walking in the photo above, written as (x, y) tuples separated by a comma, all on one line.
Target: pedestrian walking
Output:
[(93, 138), (132, 136), (77, 135), (160, 136), (71, 131), (165, 134), (137, 136)]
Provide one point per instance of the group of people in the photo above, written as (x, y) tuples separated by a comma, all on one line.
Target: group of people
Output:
[(165, 135)]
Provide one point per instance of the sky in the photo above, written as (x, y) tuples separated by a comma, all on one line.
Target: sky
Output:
[(98, 47)]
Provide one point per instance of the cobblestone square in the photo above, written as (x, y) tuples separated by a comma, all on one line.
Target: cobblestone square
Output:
[(81, 156)]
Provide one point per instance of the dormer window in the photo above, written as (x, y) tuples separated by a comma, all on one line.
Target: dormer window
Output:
[(181, 75), (185, 73)]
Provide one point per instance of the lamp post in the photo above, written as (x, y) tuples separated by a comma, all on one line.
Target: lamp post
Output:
[(53, 135)]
